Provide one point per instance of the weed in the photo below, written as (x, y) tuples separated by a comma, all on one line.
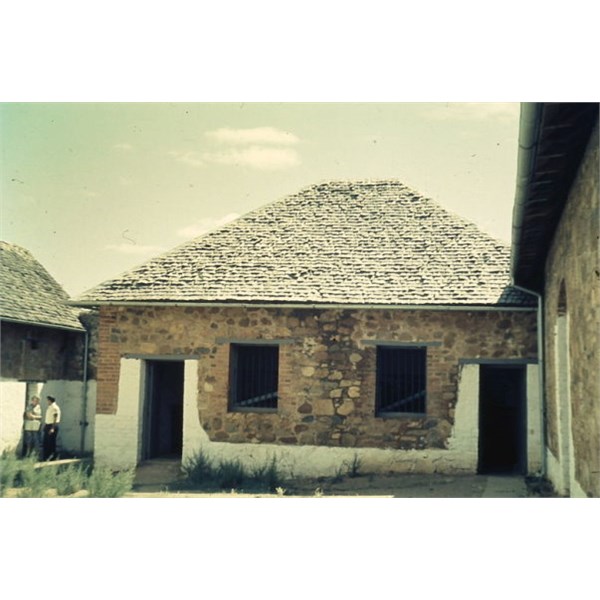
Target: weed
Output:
[(34, 482), (339, 473), (268, 475), (200, 472), (71, 480), (104, 483), (230, 474), (9, 469), (198, 468), (354, 467)]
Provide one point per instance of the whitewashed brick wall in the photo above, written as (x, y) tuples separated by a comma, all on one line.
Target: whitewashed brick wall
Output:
[(13, 395), (117, 437)]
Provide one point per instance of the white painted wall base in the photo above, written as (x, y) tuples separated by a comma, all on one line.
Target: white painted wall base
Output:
[(534, 421), (555, 474), (118, 437), (323, 461)]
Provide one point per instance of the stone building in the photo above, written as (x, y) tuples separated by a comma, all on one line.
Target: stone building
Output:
[(45, 350), (350, 321), (556, 255)]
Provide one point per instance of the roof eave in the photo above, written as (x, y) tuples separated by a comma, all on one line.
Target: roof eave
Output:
[(80, 329), (309, 305), (553, 138), (529, 128)]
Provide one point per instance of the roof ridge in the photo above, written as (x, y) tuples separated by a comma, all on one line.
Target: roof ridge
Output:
[(16, 248)]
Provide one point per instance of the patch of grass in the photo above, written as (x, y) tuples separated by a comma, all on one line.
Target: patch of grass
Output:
[(34, 483), (71, 480), (231, 475), (198, 469), (202, 473), (339, 474), (347, 469), (9, 469), (31, 481), (354, 467), (268, 474), (104, 483)]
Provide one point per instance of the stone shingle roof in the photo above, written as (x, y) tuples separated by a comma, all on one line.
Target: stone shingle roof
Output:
[(362, 242), (29, 294)]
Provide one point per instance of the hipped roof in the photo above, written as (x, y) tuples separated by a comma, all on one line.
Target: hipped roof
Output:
[(341, 242), (30, 294)]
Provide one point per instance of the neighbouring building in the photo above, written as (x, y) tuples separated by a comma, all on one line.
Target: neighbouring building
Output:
[(556, 254), (352, 320), (47, 348)]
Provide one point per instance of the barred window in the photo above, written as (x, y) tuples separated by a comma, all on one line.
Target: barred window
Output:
[(254, 376), (401, 380)]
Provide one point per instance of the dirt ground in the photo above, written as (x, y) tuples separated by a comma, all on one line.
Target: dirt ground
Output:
[(380, 486)]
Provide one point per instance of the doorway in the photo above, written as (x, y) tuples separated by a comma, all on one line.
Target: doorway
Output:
[(162, 435), (502, 419)]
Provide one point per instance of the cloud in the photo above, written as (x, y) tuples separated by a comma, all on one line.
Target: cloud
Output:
[(257, 157), (194, 159), (205, 225), (472, 110), (263, 148), (135, 249), (253, 136), (123, 146)]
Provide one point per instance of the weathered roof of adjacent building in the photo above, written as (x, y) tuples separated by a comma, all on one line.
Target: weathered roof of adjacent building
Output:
[(351, 243), (30, 294), (552, 140)]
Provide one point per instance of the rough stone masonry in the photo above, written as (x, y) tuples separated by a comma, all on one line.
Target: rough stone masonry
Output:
[(327, 374)]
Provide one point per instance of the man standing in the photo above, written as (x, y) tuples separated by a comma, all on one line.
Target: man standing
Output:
[(51, 423), (31, 427)]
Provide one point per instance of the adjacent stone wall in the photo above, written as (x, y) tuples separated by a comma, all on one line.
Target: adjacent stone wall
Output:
[(37, 353), (573, 261), (326, 371)]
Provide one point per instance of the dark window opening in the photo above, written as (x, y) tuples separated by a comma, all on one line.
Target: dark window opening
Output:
[(401, 380), (254, 377)]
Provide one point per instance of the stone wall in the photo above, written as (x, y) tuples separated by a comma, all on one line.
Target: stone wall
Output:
[(37, 353), (326, 366), (573, 264)]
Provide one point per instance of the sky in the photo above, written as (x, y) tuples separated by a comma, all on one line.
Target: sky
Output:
[(94, 189)]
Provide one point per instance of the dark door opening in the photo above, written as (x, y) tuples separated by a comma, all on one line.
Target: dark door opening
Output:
[(502, 416), (163, 414)]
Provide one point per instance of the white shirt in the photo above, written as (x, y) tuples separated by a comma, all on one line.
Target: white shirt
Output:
[(33, 424), (52, 411)]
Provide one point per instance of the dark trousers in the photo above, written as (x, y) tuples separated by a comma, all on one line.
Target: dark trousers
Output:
[(49, 449), (31, 442)]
